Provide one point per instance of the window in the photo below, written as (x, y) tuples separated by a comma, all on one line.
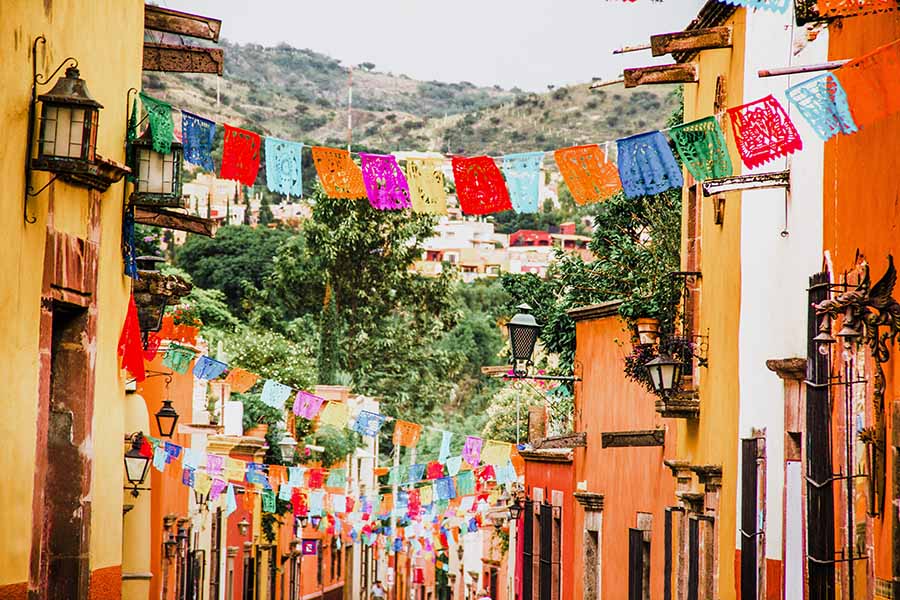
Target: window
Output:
[(546, 549), (215, 553), (749, 490), (527, 550)]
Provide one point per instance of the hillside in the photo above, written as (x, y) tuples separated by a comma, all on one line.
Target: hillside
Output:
[(301, 94)]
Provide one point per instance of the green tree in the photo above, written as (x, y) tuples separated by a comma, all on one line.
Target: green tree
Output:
[(236, 255)]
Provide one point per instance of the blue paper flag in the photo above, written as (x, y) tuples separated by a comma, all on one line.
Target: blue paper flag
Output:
[(284, 167), (444, 488), (173, 451), (823, 103), (208, 368), (256, 475), (398, 545), (647, 165), (778, 6), (368, 423), (275, 394), (197, 136), (416, 472), (523, 177)]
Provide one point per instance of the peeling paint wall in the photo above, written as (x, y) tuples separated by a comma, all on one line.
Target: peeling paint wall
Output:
[(106, 37)]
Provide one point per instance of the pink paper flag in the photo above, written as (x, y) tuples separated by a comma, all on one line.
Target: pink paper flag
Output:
[(307, 405), (386, 186)]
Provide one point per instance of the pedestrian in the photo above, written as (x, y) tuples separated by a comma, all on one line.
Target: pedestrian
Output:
[(483, 595), (378, 590)]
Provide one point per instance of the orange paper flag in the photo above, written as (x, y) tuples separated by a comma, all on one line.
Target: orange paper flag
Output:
[(339, 175), (872, 84), (241, 380), (587, 172), (406, 434)]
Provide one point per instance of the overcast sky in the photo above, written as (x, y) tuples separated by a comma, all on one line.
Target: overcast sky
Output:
[(524, 43)]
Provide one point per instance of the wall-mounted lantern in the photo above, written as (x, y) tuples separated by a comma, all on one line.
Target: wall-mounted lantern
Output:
[(157, 176), (665, 373), (243, 526), (287, 446), (136, 464), (66, 133)]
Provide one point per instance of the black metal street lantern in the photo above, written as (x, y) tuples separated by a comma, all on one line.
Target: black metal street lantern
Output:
[(243, 526), (67, 142), (664, 374), (523, 333), (136, 464), (166, 418), (157, 176), (515, 509)]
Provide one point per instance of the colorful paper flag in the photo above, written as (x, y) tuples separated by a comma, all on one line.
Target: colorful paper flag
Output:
[(406, 434), (130, 347), (830, 9), (523, 180), (214, 464), (444, 488), (316, 478), (776, 6), (241, 380), (208, 368), (284, 167), (307, 405), (275, 394), (588, 174), (268, 501), (335, 414), (495, 453), (823, 103), (701, 146), (159, 458), (240, 155), (230, 501), (216, 488), (426, 185), (178, 358), (454, 463), (763, 131), (235, 469), (444, 453), (368, 423), (338, 174), (416, 473), (159, 121), (435, 470), (337, 478), (472, 450), (647, 165), (479, 185), (198, 136), (872, 84), (385, 184)]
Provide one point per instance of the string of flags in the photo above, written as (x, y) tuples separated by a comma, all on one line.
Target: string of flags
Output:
[(432, 497), (854, 95)]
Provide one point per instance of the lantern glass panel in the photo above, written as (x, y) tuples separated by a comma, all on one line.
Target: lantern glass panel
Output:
[(136, 468)]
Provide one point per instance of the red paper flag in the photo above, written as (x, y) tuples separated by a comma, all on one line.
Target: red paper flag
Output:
[(240, 155), (316, 478), (480, 186), (435, 470), (763, 131), (130, 348)]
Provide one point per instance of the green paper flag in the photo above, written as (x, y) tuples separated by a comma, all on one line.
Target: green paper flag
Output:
[(268, 501), (337, 478), (701, 146), (159, 115)]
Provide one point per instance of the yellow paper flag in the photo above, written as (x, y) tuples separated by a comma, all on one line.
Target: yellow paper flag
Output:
[(202, 482), (495, 453), (426, 185), (334, 414), (426, 495), (235, 468)]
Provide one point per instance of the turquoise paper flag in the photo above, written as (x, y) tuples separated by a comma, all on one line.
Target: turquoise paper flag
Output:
[(295, 476), (275, 394), (268, 501), (191, 459), (230, 501), (523, 175), (416, 472), (284, 492), (316, 502), (446, 436), (159, 458), (453, 465)]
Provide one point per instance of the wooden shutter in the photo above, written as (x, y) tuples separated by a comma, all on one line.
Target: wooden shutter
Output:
[(546, 564), (527, 550), (693, 559), (748, 518), (635, 564)]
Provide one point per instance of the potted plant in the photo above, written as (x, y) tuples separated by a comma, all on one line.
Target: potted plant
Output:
[(258, 417), (186, 323), (647, 330)]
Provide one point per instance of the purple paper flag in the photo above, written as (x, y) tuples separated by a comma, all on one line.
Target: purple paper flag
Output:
[(214, 464), (472, 450), (385, 183), (217, 487), (307, 405)]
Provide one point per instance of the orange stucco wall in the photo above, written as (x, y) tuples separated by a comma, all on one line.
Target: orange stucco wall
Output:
[(631, 479), (558, 476), (862, 212)]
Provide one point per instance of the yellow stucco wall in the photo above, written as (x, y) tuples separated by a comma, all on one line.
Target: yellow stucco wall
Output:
[(106, 37), (712, 440)]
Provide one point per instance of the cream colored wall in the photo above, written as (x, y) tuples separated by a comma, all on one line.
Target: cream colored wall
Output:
[(136, 523), (713, 438), (106, 37)]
